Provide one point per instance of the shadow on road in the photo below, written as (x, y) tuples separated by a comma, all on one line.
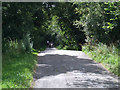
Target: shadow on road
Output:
[(52, 65)]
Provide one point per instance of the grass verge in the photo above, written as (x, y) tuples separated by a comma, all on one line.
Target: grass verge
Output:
[(17, 69), (109, 57)]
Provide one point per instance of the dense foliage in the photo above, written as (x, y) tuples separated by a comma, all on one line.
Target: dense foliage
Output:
[(34, 26), (65, 24), (27, 26), (100, 21)]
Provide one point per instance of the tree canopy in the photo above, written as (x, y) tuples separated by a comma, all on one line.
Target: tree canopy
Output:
[(66, 24)]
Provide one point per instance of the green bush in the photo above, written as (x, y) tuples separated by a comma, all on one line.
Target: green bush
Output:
[(68, 47), (107, 55)]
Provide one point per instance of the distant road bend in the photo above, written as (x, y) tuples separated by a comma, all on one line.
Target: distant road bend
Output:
[(70, 69)]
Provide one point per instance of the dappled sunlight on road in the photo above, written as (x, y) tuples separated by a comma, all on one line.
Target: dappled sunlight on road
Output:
[(70, 69)]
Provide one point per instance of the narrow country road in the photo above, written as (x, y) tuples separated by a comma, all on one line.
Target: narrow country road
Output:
[(70, 69)]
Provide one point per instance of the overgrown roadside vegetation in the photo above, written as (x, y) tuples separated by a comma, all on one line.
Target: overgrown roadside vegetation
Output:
[(18, 67), (17, 70), (108, 56)]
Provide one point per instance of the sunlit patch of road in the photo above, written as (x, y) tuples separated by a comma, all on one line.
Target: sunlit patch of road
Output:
[(70, 69)]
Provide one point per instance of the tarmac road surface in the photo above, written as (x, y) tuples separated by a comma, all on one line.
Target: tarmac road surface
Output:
[(71, 69)]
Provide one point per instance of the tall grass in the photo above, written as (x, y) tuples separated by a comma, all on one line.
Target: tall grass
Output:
[(17, 67), (107, 55), (0, 85)]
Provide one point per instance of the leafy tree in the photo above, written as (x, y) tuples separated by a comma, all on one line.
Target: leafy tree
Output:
[(66, 24), (99, 22)]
